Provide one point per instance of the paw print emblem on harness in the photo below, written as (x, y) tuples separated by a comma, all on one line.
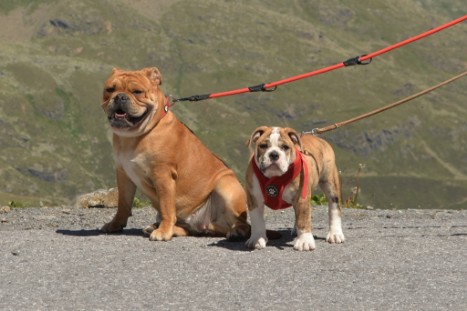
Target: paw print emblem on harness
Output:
[(272, 191)]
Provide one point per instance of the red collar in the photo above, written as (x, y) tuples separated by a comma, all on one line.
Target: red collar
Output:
[(273, 188), (166, 107)]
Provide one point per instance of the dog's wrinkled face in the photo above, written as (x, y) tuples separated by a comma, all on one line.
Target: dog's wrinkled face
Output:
[(274, 149), (131, 100)]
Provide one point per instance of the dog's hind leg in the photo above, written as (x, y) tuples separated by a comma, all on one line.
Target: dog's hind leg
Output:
[(331, 187), (231, 220)]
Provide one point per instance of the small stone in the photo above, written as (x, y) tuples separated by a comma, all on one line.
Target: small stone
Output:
[(5, 209), (103, 198)]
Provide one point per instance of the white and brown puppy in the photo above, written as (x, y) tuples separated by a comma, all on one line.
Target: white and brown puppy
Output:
[(284, 170), (191, 189)]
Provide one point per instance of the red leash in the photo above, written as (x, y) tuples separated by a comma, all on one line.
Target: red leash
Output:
[(359, 60)]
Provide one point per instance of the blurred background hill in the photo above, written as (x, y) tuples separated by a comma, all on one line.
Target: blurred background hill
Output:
[(55, 56)]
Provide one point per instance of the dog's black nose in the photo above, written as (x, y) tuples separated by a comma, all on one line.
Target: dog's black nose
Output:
[(121, 98), (274, 156)]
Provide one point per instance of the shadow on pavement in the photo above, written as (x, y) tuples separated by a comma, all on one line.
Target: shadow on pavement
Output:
[(284, 242), (95, 232)]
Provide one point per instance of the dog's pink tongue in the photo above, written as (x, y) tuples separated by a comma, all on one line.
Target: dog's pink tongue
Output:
[(120, 115)]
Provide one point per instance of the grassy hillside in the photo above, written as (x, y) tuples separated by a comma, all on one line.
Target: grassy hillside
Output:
[(56, 54)]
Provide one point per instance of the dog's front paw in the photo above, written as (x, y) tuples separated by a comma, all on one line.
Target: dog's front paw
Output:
[(161, 235), (335, 236), (305, 242), (112, 226), (257, 242)]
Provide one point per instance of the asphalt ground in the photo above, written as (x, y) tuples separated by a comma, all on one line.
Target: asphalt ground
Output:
[(56, 259)]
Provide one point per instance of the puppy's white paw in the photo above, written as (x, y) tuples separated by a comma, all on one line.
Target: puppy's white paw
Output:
[(256, 242), (335, 236), (304, 242)]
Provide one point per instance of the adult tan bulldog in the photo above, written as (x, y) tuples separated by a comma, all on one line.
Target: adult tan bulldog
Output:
[(284, 170), (191, 189)]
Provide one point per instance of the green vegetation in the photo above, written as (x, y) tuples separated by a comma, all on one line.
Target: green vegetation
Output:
[(352, 199), (56, 54), (141, 202), (319, 199), (15, 204)]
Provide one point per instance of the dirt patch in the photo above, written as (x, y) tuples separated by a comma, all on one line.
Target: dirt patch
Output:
[(21, 24)]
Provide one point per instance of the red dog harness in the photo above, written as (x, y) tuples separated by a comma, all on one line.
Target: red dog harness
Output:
[(273, 188)]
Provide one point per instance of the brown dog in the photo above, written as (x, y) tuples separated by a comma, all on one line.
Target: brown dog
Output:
[(191, 189), (284, 170)]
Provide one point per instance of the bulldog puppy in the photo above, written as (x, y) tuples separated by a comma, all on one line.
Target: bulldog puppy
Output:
[(191, 188), (284, 170)]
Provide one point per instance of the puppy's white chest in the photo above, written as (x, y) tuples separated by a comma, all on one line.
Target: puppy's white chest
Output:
[(290, 193)]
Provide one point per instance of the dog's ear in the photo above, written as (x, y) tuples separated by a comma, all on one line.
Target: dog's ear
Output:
[(115, 70), (256, 134), (295, 137), (153, 74)]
